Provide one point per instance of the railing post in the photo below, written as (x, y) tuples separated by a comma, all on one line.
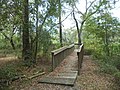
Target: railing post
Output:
[(52, 61), (78, 63), (80, 54)]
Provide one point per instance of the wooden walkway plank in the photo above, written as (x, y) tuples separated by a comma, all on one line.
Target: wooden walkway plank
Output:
[(65, 74), (67, 78)]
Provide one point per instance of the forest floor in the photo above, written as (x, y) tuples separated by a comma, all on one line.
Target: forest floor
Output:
[(4, 60), (90, 79)]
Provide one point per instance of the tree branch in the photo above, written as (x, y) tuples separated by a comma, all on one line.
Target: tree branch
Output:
[(90, 5), (86, 6), (62, 20), (77, 26), (75, 21), (94, 11), (5, 36), (78, 10)]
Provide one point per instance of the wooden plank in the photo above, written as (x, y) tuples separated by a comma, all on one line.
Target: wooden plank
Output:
[(59, 50), (55, 80), (71, 73), (64, 79)]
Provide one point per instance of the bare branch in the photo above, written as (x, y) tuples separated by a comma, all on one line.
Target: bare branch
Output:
[(67, 8), (90, 5), (66, 17), (77, 26), (86, 6), (78, 10), (62, 20), (75, 21), (14, 30), (101, 3)]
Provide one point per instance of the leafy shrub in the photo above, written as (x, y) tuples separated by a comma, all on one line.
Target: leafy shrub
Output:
[(110, 65), (109, 69), (116, 61), (7, 72), (117, 77), (88, 51)]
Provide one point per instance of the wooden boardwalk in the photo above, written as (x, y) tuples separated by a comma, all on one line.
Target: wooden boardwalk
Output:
[(65, 73)]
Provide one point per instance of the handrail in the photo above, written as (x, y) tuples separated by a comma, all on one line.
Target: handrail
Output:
[(59, 54), (80, 53), (80, 48), (57, 51)]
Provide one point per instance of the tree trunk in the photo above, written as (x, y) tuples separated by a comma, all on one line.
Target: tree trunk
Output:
[(60, 26), (106, 43), (26, 44), (12, 43), (78, 30), (10, 40), (36, 41)]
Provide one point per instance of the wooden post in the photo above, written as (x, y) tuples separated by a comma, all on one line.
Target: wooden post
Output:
[(52, 61), (78, 63), (80, 57)]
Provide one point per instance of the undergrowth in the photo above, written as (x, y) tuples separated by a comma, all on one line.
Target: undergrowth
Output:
[(109, 65), (17, 68)]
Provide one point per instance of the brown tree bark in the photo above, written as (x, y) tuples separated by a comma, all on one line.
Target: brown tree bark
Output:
[(12, 43), (60, 25), (78, 30), (36, 41), (25, 37)]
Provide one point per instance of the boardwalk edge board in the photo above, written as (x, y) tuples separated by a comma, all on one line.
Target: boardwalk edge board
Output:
[(61, 80)]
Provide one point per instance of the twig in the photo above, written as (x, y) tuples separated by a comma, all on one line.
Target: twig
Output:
[(61, 21), (36, 75)]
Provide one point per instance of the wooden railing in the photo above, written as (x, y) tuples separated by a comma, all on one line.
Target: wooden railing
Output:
[(60, 54), (80, 54)]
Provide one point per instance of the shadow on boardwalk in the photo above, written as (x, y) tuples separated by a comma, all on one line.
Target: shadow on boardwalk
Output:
[(90, 78)]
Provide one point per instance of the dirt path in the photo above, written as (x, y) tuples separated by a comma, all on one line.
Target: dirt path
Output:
[(4, 60), (90, 79)]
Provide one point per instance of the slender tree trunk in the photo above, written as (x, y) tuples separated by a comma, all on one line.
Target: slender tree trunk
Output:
[(10, 40), (60, 25), (78, 30), (36, 41), (106, 42), (26, 44), (12, 43)]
